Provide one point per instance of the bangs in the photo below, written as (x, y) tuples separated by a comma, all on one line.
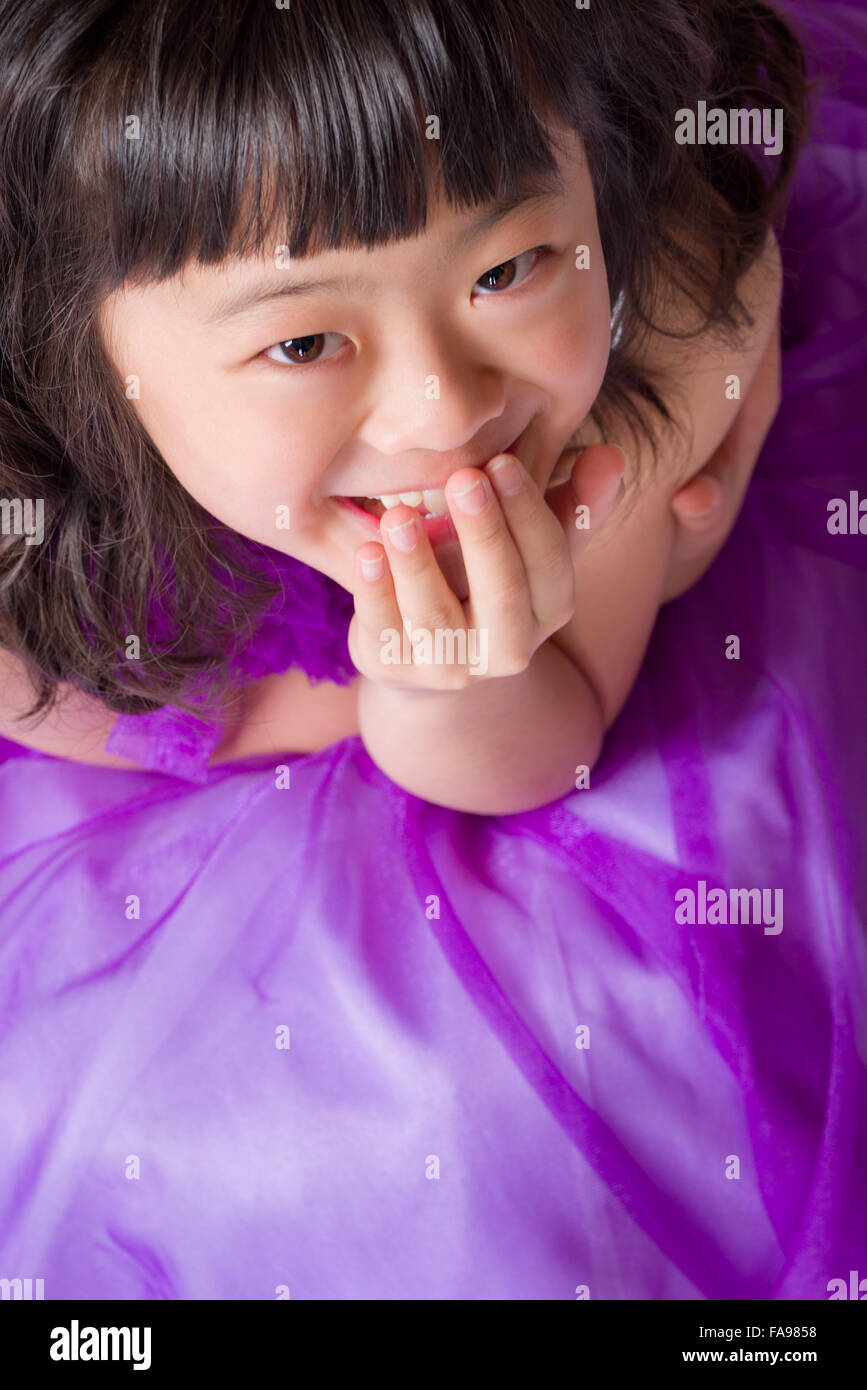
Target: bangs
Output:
[(216, 131)]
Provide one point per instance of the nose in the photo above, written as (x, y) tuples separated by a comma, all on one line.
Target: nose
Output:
[(435, 395)]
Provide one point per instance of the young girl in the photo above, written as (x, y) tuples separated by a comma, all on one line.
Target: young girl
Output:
[(327, 327), (170, 362)]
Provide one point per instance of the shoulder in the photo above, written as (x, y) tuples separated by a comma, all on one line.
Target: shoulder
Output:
[(680, 337), (683, 359), (76, 727), (704, 373), (681, 343)]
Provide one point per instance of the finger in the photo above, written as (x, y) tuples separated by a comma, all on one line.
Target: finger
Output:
[(422, 594), (499, 597), (538, 538), (376, 610)]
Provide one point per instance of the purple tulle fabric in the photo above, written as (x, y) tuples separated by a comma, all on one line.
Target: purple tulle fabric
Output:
[(326, 1040), (306, 625)]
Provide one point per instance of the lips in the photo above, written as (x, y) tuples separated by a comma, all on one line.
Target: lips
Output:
[(356, 499), (440, 530)]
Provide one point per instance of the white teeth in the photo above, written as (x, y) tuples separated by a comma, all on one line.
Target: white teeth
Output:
[(434, 499), (391, 499)]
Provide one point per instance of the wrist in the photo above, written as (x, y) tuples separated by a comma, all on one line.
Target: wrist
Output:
[(493, 747)]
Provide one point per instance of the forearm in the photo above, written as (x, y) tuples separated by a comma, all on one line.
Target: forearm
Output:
[(496, 747)]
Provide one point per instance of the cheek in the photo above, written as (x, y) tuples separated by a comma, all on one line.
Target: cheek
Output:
[(573, 357), (239, 455)]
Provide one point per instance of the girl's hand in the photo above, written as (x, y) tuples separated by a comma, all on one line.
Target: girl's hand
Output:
[(521, 584), (707, 506), (592, 482)]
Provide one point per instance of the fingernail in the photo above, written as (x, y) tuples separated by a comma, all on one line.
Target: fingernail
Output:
[(403, 537), (372, 569), (472, 499), (506, 476)]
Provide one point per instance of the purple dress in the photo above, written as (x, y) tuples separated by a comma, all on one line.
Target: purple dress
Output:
[(326, 1040)]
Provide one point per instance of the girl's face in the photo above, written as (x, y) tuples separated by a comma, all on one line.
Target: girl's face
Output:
[(271, 397)]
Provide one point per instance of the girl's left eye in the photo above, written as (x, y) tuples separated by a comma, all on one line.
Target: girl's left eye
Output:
[(504, 269)]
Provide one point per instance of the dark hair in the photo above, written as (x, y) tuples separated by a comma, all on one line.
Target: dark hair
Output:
[(310, 119)]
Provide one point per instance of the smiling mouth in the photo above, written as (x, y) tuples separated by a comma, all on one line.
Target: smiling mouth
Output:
[(431, 501)]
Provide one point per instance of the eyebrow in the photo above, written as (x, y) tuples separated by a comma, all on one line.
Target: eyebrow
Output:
[(539, 190)]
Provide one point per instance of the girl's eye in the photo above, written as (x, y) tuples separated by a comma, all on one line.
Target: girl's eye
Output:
[(308, 351), (300, 351), (502, 277)]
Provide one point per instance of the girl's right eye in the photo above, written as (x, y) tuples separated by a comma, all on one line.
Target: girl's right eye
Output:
[(301, 352)]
